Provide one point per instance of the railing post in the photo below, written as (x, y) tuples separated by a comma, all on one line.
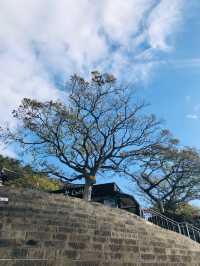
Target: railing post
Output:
[(141, 213), (198, 237), (188, 233), (194, 234), (179, 229)]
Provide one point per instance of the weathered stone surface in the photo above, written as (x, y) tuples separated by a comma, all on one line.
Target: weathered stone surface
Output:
[(52, 230)]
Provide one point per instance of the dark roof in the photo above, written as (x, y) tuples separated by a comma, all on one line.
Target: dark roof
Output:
[(127, 199), (98, 191), (72, 186), (105, 189)]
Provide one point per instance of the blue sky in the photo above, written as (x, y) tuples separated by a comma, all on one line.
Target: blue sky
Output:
[(154, 44), (174, 90)]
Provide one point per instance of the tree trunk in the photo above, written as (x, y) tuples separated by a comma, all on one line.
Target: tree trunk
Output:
[(87, 193)]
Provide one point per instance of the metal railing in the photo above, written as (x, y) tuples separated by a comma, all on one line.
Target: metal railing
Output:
[(159, 219)]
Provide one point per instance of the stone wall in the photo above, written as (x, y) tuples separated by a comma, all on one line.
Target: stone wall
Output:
[(39, 229)]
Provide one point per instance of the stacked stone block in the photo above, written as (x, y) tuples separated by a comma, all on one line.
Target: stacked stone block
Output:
[(41, 229)]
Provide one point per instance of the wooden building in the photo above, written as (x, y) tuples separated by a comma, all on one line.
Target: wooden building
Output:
[(109, 194)]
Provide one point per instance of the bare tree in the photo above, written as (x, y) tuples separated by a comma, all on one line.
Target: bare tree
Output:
[(168, 176), (95, 131)]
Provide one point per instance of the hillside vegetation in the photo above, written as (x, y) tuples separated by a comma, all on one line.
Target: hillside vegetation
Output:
[(26, 177)]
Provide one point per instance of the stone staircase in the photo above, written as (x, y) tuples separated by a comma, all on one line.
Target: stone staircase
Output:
[(41, 229)]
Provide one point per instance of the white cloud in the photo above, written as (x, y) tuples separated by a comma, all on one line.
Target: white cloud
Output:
[(163, 20), (123, 19), (192, 116), (43, 41), (195, 114)]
